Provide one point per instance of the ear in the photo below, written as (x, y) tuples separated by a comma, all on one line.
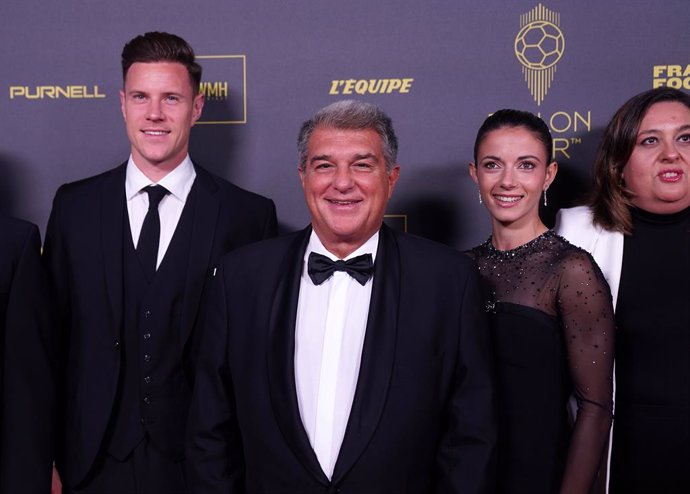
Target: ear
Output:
[(122, 104), (472, 168), (551, 171), (302, 173), (393, 176), (198, 105)]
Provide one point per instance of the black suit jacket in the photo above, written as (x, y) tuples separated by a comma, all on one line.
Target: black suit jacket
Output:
[(27, 396), (84, 254), (422, 419)]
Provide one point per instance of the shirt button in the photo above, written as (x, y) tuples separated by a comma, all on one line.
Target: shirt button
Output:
[(147, 314), (147, 379), (147, 336), (147, 358), (116, 345), (147, 400)]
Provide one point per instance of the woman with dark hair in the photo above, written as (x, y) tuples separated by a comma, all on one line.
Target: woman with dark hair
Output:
[(637, 227), (550, 316)]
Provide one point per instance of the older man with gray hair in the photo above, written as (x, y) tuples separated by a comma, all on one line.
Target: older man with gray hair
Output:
[(346, 357)]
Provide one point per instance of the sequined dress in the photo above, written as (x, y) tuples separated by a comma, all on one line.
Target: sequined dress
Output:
[(552, 330)]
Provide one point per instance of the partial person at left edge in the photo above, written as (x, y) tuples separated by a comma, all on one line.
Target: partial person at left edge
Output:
[(27, 393), (127, 278)]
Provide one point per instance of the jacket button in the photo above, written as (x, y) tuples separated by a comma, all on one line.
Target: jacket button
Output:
[(116, 345), (147, 379), (147, 400), (147, 336), (147, 358), (147, 314)]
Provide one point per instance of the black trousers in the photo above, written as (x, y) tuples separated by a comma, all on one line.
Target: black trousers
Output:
[(145, 471)]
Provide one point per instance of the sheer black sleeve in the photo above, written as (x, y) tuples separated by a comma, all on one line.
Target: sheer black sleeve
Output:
[(584, 304)]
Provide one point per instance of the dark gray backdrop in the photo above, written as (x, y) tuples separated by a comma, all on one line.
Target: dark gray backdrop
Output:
[(278, 61)]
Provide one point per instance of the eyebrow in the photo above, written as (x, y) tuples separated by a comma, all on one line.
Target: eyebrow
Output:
[(523, 157), (327, 157), (652, 131), (320, 157), (365, 156)]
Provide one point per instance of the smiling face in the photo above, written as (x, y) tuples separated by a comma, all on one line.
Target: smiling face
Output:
[(512, 170), (159, 107), (346, 186), (657, 171)]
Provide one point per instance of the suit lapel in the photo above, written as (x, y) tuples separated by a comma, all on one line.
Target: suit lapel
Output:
[(378, 355), (281, 356), (112, 238), (207, 205)]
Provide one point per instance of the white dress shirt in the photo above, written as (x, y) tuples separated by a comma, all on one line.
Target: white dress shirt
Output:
[(329, 336), (178, 182)]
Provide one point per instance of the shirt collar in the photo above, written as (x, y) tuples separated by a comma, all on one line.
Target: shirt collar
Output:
[(178, 182)]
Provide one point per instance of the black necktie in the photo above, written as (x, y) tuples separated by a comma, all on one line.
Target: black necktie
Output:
[(147, 247), (320, 268)]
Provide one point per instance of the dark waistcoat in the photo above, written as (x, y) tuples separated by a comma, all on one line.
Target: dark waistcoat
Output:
[(153, 392)]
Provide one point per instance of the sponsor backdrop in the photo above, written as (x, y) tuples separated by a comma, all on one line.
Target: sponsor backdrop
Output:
[(437, 67)]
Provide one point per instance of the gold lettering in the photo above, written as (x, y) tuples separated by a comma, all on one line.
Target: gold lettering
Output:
[(673, 70), (56, 92), (375, 85), (16, 91), (560, 145), (349, 85), (559, 115), (586, 122), (334, 87), (361, 86), (406, 84), (74, 91), (371, 86), (674, 82), (215, 90), (394, 84), (658, 70), (36, 95)]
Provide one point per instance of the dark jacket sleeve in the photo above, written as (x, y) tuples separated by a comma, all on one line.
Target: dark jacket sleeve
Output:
[(465, 456), (215, 461), (28, 387)]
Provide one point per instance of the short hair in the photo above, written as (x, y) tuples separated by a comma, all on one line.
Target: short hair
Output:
[(516, 118), (161, 47), (610, 200), (351, 115)]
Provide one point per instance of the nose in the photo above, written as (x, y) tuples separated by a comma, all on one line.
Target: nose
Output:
[(508, 178), (669, 151), (343, 181), (155, 111)]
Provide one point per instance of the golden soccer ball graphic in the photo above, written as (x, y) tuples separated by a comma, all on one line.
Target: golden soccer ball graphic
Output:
[(539, 45)]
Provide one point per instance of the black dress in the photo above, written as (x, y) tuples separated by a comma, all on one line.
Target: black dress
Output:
[(552, 328), (651, 434)]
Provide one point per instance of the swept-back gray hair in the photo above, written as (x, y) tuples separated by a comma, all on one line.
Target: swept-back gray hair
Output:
[(351, 115)]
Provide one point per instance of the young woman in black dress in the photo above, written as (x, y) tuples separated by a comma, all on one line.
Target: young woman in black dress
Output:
[(550, 316)]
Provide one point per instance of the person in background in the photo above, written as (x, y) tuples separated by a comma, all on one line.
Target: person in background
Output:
[(637, 227), (551, 318), (129, 253), (27, 380), (346, 357)]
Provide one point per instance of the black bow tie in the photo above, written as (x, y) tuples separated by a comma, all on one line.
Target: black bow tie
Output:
[(320, 268)]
